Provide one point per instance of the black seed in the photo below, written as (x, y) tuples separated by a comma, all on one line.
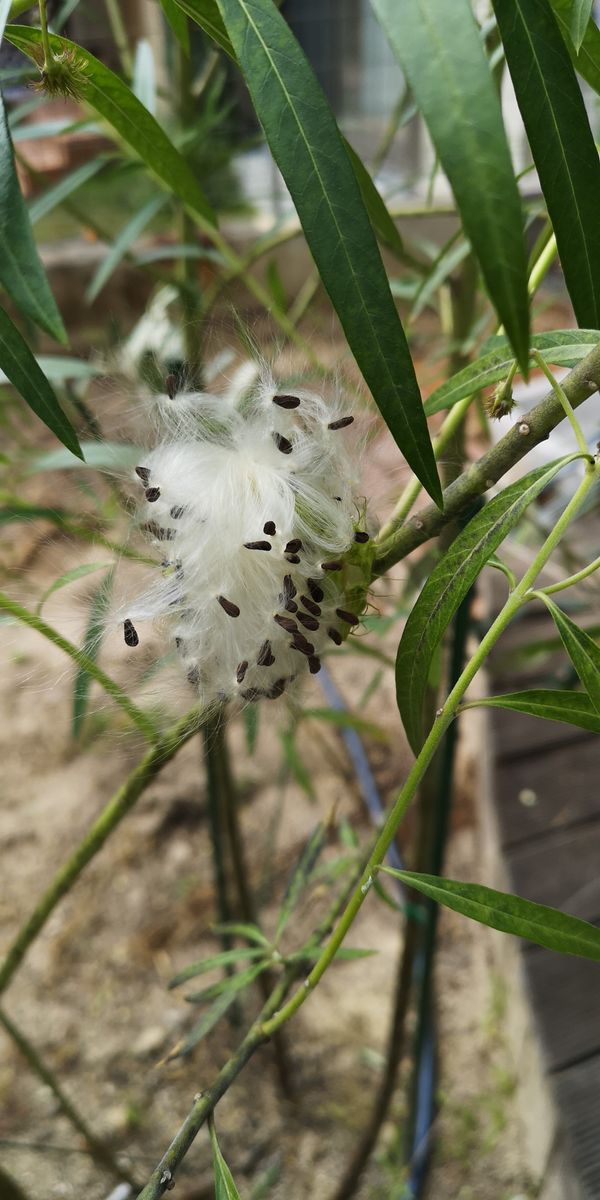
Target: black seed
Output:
[(229, 607), (293, 558), (361, 536), (314, 664), (316, 592), (293, 546), (302, 644), (335, 636), (130, 633), (308, 622), (289, 591), (152, 494), (277, 689), (257, 545), (241, 671), (282, 443), (144, 474), (291, 606), (331, 566), (286, 623), (266, 658), (286, 401), (344, 615), (252, 694), (178, 643), (338, 498), (171, 386), (310, 606), (269, 527), (341, 424), (157, 531), (177, 511), (194, 676)]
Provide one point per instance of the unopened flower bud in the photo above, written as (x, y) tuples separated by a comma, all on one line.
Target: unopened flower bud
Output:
[(501, 402)]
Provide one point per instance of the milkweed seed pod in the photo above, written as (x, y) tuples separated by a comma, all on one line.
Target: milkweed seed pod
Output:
[(251, 500)]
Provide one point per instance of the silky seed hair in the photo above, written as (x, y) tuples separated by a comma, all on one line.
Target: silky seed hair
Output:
[(250, 497)]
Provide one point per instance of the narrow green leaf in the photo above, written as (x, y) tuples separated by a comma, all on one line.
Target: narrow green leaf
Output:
[(572, 708), (177, 21), (111, 97), (58, 367), (53, 196), (383, 224), (239, 929), (240, 954), (346, 720), (229, 983), (21, 270), (70, 577), (300, 875), (206, 14), (225, 1188), (580, 17), (444, 62), (583, 651), (209, 1019), (450, 257), (122, 243), (587, 60), (309, 150), (91, 648), (563, 347), (19, 366), (561, 143), (447, 587), (511, 914)]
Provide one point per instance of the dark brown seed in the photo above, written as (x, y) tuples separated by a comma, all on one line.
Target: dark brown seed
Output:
[(178, 642), (130, 633), (344, 615), (310, 606), (143, 473), (308, 622), (241, 671), (316, 592), (152, 494), (177, 511), (257, 545), (335, 636), (293, 546), (282, 443), (302, 644), (277, 690), (331, 566), (194, 676), (269, 527), (293, 558), (314, 664), (157, 531), (291, 606), (341, 424), (286, 623), (361, 536), (289, 591), (252, 694), (229, 607), (265, 658), (286, 401), (338, 498), (171, 386)]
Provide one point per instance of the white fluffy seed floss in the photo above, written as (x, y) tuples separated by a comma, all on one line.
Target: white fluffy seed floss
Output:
[(250, 498)]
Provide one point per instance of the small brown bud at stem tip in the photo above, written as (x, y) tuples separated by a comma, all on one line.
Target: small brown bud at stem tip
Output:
[(228, 606), (130, 634)]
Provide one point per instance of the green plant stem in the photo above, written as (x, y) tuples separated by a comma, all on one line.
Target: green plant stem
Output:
[(97, 1149), (144, 724), (119, 33), (564, 400), (443, 719), (531, 429), (44, 30), (108, 820), (571, 580), (542, 266)]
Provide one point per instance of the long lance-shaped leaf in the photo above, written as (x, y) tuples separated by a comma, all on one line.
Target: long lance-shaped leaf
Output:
[(21, 270), (571, 708), (448, 585), (225, 1188), (177, 22), (308, 148), (563, 347), (19, 366), (206, 14), (583, 651), (445, 65), (580, 17), (110, 97), (561, 143), (380, 218), (511, 914), (587, 59)]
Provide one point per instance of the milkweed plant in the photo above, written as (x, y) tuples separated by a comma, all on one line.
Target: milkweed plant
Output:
[(260, 553)]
